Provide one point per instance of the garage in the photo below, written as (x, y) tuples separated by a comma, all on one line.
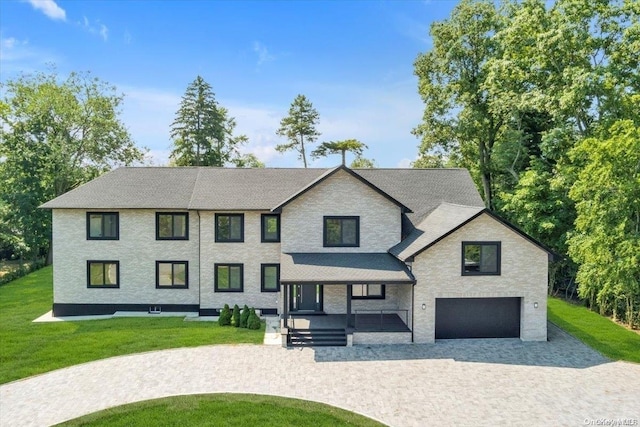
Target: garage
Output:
[(477, 318)]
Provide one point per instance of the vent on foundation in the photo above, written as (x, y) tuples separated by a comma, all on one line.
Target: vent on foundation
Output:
[(155, 309)]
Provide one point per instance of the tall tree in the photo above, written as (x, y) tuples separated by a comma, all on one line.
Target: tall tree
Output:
[(299, 127), (202, 130), (458, 117), (606, 241), (339, 147), (55, 135), (363, 163)]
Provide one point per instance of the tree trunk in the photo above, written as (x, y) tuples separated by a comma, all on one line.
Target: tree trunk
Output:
[(343, 157), (304, 157), (485, 174)]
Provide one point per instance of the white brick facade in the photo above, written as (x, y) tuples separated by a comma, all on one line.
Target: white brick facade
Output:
[(523, 274)]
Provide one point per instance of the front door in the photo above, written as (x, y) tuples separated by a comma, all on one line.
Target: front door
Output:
[(306, 298)]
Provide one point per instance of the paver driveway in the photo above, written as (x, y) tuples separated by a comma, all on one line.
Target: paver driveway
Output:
[(471, 382)]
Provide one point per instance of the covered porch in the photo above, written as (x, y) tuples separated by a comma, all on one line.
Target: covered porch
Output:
[(346, 294)]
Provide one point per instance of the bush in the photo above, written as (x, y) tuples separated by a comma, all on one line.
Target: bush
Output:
[(254, 321), (244, 316), (22, 270), (225, 316), (235, 318)]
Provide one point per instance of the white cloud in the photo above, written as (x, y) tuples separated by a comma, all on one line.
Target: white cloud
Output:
[(49, 8), (263, 53), (96, 28), (18, 56), (404, 163)]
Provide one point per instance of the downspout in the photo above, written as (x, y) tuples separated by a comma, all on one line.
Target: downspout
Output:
[(199, 266)]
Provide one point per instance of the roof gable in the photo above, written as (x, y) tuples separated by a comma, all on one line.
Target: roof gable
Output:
[(332, 172)]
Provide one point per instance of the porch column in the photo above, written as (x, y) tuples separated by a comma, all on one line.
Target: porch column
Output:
[(348, 321), (285, 302)]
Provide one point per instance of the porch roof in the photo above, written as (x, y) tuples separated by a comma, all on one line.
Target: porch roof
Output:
[(343, 268)]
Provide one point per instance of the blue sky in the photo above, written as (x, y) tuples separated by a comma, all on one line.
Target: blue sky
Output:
[(352, 59)]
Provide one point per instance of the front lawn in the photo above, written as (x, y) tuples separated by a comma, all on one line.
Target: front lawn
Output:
[(224, 410), (600, 333), (28, 348)]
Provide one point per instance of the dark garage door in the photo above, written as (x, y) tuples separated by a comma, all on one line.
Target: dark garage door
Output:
[(477, 318)]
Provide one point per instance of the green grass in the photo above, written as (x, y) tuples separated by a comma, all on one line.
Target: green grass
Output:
[(224, 410), (28, 348), (600, 333)]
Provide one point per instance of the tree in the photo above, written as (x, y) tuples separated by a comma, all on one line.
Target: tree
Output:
[(363, 163), (299, 127), (248, 160), (606, 241), (55, 136), (339, 147), (458, 117), (202, 130)]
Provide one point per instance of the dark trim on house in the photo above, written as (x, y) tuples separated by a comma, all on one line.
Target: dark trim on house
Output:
[(501, 220), (351, 282), (263, 238), (262, 284), (95, 261), (173, 286), (498, 244), (216, 311), (330, 173), (173, 215), (220, 239), (340, 245), (366, 297), (215, 277), (117, 215), (104, 309)]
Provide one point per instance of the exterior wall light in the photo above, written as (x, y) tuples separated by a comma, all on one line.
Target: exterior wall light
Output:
[(535, 305), (424, 306)]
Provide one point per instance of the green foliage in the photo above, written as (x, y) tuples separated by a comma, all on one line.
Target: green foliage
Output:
[(244, 317), (231, 410), (235, 317), (225, 316), (254, 321), (299, 127), (248, 160), (30, 348), (606, 241), (202, 131), (600, 333), (55, 136), (22, 270), (339, 147), (363, 163)]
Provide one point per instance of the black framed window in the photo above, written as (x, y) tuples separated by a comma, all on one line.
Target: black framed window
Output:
[(103, 226), (172, 226), (270, 228), (481, 258), (103, 274), (367, 291), (270, 277), (341, 231), (229, 227), (229, 278), (172, 274)]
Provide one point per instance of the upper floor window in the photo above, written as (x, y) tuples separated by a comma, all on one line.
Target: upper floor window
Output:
[(367, 291), (172, 226), (342, 231), (229, 227), (103, 274), (480, 258), (102, 226), (172, 274), (270, 277), (270, 228), (229, 278)]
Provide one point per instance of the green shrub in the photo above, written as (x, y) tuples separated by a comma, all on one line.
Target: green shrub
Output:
[(244, 316), (235, 318), (22, 270), (254, 321), (225, 316)]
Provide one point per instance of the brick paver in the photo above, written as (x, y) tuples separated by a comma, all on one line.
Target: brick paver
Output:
[(469, 382)]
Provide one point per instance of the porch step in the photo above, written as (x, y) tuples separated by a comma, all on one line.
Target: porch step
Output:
[(317, 338)]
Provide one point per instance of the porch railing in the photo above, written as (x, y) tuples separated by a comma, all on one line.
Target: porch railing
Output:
[(380, 320)]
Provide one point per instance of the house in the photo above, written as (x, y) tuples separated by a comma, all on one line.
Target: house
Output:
[(341, 255)]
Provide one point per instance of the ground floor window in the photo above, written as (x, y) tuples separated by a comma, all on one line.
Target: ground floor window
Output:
[(270, 278), (103, 274), (229, 277), (172, 274), (367, 291)]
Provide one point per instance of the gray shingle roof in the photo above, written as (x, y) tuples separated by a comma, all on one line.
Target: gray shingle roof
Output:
[(352, 268), (206, 188), (438, 223)]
